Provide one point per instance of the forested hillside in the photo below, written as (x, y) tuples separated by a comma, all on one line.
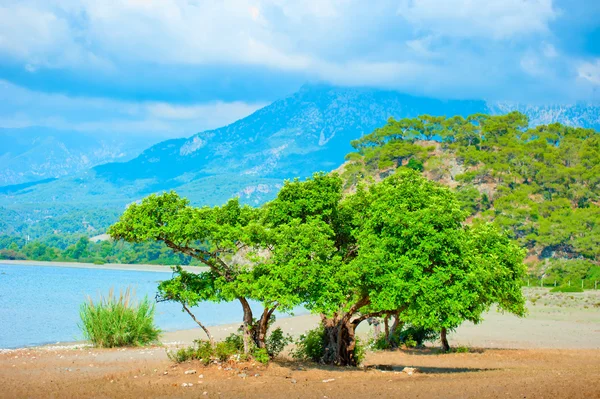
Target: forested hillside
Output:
[(541, 184)]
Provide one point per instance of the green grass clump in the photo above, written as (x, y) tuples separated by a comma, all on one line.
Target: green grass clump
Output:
[(118, 321), (566, 289)]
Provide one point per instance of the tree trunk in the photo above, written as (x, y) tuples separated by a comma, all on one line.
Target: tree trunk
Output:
[(386, 324), (444, 339), (340, 340), (395, 326), (262, 327), (247, 325)]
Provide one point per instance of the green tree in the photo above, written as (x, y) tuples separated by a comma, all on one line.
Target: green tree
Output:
[(227, 239), (396, 247)]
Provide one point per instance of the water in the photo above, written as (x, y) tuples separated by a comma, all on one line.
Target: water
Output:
[(40, 305)]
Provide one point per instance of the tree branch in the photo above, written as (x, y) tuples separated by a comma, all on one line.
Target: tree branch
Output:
[(198, 322)]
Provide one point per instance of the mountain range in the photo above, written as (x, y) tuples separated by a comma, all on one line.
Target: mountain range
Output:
[(37, 153), (305, 132)]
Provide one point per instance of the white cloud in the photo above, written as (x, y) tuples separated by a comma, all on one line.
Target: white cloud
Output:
[(590, 71), (498, 19), (30, 108)]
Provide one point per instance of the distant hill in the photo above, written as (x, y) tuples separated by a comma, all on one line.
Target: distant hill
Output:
[(35, 153), (306, 132)]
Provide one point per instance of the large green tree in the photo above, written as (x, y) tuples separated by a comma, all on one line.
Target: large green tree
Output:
[(395, 247)]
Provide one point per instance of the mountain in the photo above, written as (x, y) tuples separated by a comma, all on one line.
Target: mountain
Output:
[(306, 132), (35, 153), (582, 115)]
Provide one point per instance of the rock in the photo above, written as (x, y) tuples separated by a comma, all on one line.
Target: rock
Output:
[(204, 393), (201, 376), (187, 384), (329, 380), (242, 375), (293, 381), (257, 375), (165, 373), (190, 372), (410, 370)]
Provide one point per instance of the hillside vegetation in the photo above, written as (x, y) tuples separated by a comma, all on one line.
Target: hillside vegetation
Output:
[(541, 184)]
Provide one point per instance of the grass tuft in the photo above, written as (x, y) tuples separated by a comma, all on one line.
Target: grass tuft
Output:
[(118, 321)]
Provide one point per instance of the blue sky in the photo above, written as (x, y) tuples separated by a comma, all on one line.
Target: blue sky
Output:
[(175, 67)]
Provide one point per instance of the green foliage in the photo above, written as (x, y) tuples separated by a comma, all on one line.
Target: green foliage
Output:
[(566, 288), (417, 335), (541, 184), (203, 351), (310, 345), (118, 321), (415, 164), (73, 248), (408, 335), (261, 355), (277, 341), (563, 271), (460, 349)]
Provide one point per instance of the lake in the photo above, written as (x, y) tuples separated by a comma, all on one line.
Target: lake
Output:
[(40, 304)]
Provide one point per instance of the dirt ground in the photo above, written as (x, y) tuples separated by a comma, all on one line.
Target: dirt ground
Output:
[(553, 353), (145, 373)]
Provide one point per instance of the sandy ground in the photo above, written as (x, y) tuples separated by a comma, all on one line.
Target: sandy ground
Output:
[(107, 266), (555, 354)]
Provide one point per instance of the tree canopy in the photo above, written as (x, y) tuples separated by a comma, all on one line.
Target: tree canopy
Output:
[(541, 184)]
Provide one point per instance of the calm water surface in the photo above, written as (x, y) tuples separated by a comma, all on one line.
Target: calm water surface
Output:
[(40, 304)]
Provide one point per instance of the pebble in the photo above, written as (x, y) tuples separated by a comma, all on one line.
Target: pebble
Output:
[(204, 393), (410, 370), (257, 375), (293, 381), (186, 384), (329, 380), (165, 373), (190, 372), (201, 376)]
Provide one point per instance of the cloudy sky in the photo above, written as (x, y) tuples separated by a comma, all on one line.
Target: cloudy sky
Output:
[(174, 67)]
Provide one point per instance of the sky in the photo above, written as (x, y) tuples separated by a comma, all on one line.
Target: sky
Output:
[(176, 67)]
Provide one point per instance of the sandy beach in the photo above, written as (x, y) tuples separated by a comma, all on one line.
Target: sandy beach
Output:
[(106, 266)]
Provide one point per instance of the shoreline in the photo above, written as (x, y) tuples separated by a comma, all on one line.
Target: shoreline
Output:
[(106, 266)]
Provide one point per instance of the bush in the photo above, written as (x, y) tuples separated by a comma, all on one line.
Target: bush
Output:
[(118, 321), (410, 336), (566, 288), (415, 164), (277, 341), (261, 355), (413, 336), (310, 346), (232, 346), (202, 350)]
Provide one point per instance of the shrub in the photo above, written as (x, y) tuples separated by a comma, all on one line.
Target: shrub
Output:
[(413, 336), (415, 164), (460, 349), (201, 350), (261, 355), (118, 321), (566, 288), (224, 350), (310, 346), (277, 341)]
